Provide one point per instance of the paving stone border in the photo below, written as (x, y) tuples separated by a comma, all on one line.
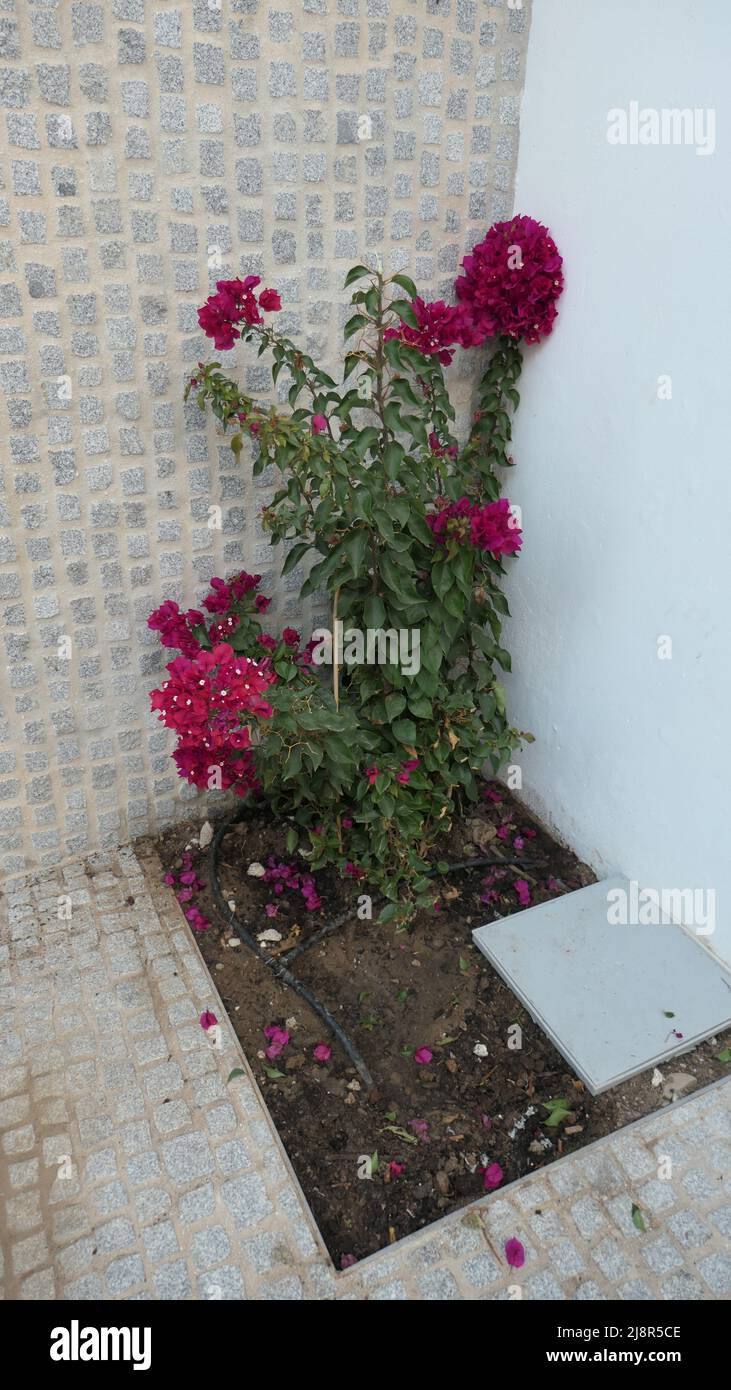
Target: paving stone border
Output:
[(131, 1169)]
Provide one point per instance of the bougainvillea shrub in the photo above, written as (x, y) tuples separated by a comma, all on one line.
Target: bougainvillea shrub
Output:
[(372, 742)]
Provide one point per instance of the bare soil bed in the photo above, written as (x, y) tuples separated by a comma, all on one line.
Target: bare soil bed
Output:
[(430, 1125)]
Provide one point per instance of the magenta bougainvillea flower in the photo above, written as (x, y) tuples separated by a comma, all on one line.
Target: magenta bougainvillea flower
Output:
[(492, 794), (319, 424), (442, 450), (490, 527), (523, 891), (225, 592), (322, 1053), (347, 1261), (204, 701), (406, 770), (270, 301), (371, 773), (511, 282), (423, 1056), (421, 1129), (492, 1176), (515, 1253), (396, 1170), (234, 302), (207, 1020), (440, 327), (285, 877), (278, 1039), (197, 921), (176, 628)]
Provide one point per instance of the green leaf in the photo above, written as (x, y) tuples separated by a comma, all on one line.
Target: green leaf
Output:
[(405, 284), (237, 1071), (356, 273), (392, 417), (395, 704), (420, 707), (441, 578), (393, 456), (294, 556), (454, 602), (724, 1055), (558, 1110), (405, 731), (292, 840), (404, 311), (272, 1073), (638, 1219), (357, 321), (374, 611), (355, 546)]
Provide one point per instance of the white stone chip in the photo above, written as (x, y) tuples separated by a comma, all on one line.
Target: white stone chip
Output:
[(206, 834)]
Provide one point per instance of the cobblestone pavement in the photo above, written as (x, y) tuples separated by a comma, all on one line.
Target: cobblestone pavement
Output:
[(132, 1168)]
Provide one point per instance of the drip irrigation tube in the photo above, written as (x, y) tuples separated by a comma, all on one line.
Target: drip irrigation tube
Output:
[(278, 968), (279, 965)]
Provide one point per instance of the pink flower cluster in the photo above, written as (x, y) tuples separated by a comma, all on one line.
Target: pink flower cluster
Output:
[(490, 893), (511, 282), (210, 734), (186, 885), (278, 1039), (204, 701), (442, 450), (285, 876), (404, 775), (226, 592), (440, 327), (176, 628), (489, 527), (234, 302)]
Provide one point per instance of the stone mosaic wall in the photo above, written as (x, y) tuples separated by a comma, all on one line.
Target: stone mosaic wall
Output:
[(148, 149)]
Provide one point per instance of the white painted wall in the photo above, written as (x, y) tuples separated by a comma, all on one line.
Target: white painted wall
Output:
[(627, 498)]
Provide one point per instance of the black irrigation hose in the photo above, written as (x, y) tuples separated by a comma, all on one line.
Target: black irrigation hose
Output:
[(278, 967), (279, 964)]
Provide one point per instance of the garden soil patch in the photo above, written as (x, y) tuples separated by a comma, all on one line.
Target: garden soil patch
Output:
[(485, 1095)]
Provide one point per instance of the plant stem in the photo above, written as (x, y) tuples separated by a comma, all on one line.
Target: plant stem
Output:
[(336, 667)]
